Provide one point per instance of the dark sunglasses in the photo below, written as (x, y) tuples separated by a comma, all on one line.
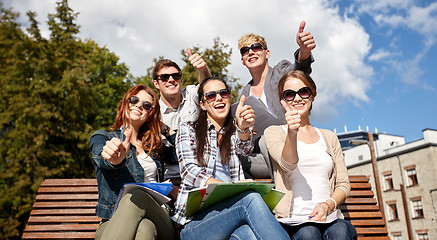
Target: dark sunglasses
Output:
[(145, 104), (256, 47), (210, 96), (165, 77), (289, 95)]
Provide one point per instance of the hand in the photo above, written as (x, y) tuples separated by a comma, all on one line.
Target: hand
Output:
[(305, 41), (244, 114), (319, 213), (115, 150), (292, 117), (196, 60)]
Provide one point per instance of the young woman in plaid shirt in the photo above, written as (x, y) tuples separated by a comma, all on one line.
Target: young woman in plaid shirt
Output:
[(207, 151)]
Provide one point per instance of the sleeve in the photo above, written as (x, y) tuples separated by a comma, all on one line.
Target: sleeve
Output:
[(305, 65), (97, 142), (192, 174), (244, 147), (342, 178), (275, 139)]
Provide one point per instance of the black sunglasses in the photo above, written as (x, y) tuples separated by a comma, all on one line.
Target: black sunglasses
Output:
[(165, 77), (256, 47), (145, 104), (210, 96), (289, 95)]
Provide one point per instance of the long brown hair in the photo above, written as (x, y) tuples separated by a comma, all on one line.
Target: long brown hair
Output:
[(150, 131), (201, 129)]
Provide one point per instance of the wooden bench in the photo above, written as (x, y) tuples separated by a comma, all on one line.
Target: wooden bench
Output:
[(64, 209)]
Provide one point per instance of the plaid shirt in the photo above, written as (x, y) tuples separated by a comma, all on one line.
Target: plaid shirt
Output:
[(195, 176)]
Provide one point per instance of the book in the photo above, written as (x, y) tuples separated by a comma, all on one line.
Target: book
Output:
[(158, 191), (263, 118), (202, 198)]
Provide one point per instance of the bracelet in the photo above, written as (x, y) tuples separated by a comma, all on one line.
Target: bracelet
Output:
[(239, 129), (335, 202)]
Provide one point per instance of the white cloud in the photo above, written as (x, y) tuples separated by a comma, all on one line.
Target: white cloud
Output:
[(138, 31), (379, 54)]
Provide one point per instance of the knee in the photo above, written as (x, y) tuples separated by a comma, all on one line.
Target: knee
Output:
[(341, 229), (307, 233), (147, 228)]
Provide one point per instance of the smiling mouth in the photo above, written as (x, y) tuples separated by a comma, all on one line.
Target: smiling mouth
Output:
[(220, 106)]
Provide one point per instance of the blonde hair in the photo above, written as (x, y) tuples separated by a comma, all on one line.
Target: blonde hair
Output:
[(248, 39)]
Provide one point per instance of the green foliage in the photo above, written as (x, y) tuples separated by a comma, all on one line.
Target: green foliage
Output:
[(55, 93)]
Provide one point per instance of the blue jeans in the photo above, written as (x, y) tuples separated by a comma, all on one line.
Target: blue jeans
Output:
[(339, 229), (244, 216)]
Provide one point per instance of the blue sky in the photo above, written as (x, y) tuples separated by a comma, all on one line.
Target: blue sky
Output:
[(376, 60)]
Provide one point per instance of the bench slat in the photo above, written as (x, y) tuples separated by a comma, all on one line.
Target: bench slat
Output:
[(372, 231), (64, 219), (62, 227), (69, 182), (65, 204), (360, 201), (59, 235), (68, 189), (361, 193), (358, 178), (68, 211), (358, 208), (67, 197), (367, 222), (362, 215)]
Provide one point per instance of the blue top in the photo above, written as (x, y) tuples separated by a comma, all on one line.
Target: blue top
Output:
[(111, 178)]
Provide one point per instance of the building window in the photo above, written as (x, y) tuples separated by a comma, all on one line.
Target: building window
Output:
[(422, 236), (417, 208), (393, 211), (411, 176), (388, 181), (397, 236)]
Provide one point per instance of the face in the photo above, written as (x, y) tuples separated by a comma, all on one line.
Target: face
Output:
[(137, 112), (170, 87), (255, 57), (302, 105), (217, 109)]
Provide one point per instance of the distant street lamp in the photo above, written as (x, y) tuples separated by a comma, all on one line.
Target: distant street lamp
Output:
[(375, 169)]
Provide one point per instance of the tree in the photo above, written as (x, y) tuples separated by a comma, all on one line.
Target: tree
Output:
[(55, 93)]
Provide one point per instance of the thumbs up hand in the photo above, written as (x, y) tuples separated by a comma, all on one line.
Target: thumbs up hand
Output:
[(115, 150), (305, 41), (292, 117), (244, 114)]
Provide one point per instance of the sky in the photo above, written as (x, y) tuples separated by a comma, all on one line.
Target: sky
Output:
[(375, 60)]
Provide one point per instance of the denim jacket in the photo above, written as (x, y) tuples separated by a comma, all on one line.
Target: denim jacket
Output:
[(111, 178)]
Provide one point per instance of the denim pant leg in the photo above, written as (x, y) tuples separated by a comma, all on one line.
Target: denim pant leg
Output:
[(244, 232), (222, 219), (340, 229), (307, 232)]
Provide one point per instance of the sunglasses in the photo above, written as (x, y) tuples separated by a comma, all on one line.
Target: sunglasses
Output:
[(289, 95), (210, 96), (165, 77), (256, 47), (145, 104)]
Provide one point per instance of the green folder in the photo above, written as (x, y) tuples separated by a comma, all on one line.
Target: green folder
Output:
[(217, 192)]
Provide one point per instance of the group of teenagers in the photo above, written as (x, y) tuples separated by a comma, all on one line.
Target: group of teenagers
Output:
[(190, 137)]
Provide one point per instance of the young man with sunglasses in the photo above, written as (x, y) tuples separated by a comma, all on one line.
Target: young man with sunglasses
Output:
[(177, 105), (264, 84)]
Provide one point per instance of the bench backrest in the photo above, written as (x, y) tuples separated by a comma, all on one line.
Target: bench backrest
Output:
[(65, 209)]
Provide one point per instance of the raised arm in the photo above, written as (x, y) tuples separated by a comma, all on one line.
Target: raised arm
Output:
[(197, 61)]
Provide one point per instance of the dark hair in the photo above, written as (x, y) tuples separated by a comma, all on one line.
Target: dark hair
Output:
[(150, 131), (200, 128), (164, 63), (299, 75)]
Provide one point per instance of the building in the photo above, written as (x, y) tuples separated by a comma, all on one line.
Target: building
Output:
[(404, 169)]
